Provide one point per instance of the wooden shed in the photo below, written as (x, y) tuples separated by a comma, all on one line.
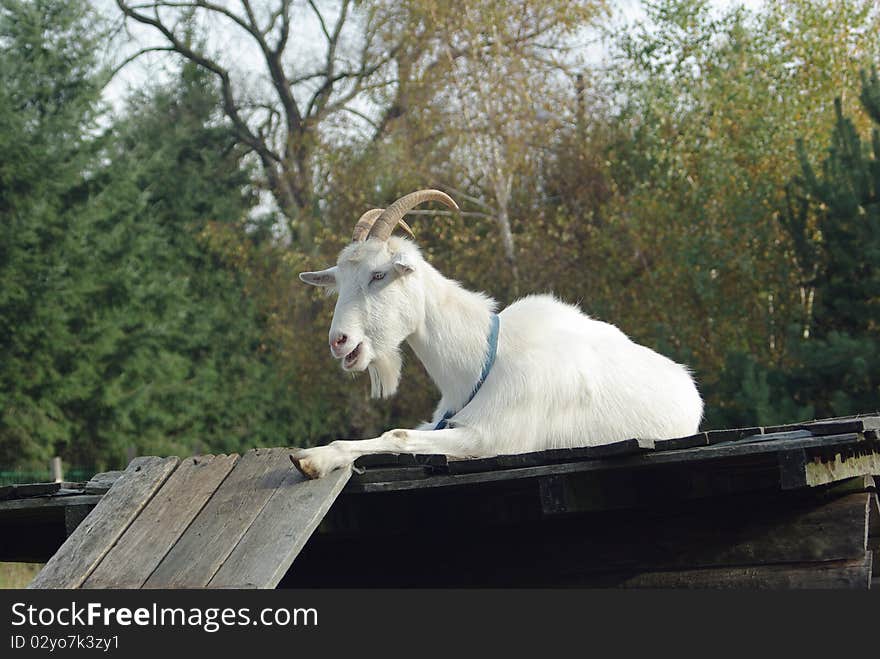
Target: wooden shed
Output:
[(784, 507)]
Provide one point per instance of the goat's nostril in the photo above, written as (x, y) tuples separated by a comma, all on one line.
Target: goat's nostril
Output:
[(340, 340)]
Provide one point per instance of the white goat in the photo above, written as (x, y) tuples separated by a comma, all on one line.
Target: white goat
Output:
[(559, 380)]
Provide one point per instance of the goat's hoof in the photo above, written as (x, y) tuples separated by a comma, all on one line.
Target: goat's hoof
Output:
[(319, 461), (305, 467)]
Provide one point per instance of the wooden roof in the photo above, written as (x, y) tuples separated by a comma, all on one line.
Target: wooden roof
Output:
[(808, 454), (207, 521), (239, 521)]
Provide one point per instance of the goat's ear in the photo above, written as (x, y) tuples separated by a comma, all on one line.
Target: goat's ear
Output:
[(324, 278), (403, 264)]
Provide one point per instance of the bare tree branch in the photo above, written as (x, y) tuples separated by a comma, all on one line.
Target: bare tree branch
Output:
[(131, 58), (430, 47), (360, 115), (284, 13), (319, 98), (451, 213), (320, 20), (202, 60)]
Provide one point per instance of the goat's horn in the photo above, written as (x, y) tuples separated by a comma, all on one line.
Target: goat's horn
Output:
[(391, 216), (364, 224), (366, 221)]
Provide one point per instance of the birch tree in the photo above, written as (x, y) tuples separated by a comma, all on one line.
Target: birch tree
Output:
[(308, 65)]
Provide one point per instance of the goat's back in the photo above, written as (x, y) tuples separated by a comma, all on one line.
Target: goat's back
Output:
[(563, 379)]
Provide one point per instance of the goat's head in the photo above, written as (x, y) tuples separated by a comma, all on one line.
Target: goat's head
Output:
[(381, 299)]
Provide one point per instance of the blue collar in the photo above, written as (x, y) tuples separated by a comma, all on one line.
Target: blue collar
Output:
[(487, 367)]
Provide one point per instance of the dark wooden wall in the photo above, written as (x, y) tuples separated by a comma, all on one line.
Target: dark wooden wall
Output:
[(505, 535)]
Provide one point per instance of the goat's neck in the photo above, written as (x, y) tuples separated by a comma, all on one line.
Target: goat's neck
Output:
[(452, 340)]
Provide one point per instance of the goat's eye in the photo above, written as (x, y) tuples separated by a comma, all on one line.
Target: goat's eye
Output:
[(378, 276)]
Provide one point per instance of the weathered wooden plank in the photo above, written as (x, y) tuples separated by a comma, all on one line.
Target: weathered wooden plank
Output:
[(42, 503), (737, 438), (473, 466), (94, 537), (868, 421), (787, 435), (852, 574), (275, 538), (100, 483), (792, 469), (643, 459), (137, 553), (832, 426), (700, 439), (538, 458), (864, 415), (836, 427), (732, 434), (26, 490), (386, 474), (820, 472), (213, 534), (632, 447), (74, 516), (553, 456), (401, 460), (626, 447)]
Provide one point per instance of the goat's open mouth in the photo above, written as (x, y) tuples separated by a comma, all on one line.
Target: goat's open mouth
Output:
[(352, 357)]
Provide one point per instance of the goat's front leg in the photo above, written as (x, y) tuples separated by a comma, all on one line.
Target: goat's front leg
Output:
[(452, 442)]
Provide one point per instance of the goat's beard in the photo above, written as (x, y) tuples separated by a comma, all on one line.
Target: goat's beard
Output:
[(385, 374)]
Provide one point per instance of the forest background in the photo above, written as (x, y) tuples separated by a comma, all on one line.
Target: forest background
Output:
[(705, 176)]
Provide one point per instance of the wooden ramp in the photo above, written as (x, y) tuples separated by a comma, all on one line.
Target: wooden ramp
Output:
[(212, 521)]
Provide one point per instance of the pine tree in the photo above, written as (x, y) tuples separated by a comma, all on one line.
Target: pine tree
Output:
[(833, 218), (119, 327), (48, 106), (171, 359)]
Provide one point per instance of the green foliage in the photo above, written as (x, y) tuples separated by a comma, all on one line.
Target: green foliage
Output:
[(147, 303), (48, 103), (698, 145), (168, 347), (121, 329), (834, 220), (660, 214)]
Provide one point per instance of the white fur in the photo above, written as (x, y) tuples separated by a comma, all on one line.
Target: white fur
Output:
[(560, 379)]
